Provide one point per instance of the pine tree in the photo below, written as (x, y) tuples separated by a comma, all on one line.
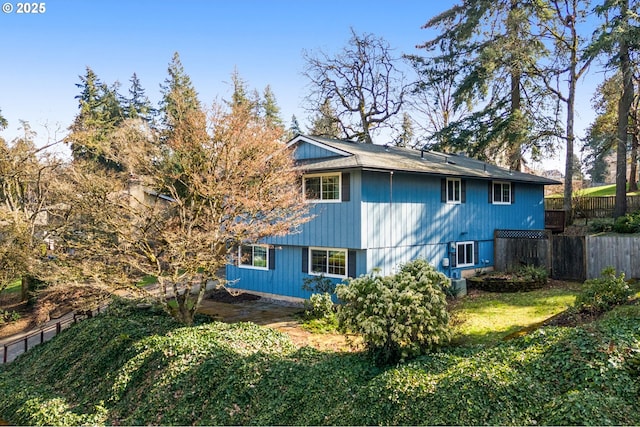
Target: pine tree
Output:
[(406, 135), (270, 108), (240, 96), (493, 45), (295, 126), (183, 120), (137, 105), (602, 132), (3, 122), (99, 115), (618, 39), (325, 123)]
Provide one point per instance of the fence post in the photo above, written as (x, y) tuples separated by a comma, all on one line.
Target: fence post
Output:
[(26, 344), (4, 356), (58, 328)]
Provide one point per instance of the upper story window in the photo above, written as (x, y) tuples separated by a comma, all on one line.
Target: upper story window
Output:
[(254, 256), (322, 187), (501, 193), (454, 192)]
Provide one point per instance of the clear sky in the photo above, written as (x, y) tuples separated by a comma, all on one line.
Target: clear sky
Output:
[(44, 54)]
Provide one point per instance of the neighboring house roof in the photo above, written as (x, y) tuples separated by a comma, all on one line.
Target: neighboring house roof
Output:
[(353, 155)]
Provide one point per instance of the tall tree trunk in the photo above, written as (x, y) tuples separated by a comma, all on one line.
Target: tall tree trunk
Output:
[(624, 107), (633, 165), (570, 136), (634, 128), (515, 146)]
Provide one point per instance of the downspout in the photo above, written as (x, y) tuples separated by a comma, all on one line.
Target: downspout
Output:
[(391, 215)]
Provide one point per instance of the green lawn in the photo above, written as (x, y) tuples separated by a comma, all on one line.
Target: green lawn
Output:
[(601, 191), (14, 287), (489, 317)]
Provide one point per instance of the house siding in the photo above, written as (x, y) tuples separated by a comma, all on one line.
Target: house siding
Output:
[(287, 277), (334, 225), (310, 151), (404, 218), (391, 218)]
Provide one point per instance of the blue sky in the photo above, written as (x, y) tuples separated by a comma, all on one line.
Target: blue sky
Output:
[(44, 54)]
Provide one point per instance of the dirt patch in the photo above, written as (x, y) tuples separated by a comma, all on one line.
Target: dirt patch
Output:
[(232, 307), (12, 303), (227, 296)]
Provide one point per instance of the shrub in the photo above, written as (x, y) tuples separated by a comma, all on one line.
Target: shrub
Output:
[(629, 223), (602, 294), (8, 316), (601, 225), (319, 306), (399, 316), (319, 284), (533, 274)]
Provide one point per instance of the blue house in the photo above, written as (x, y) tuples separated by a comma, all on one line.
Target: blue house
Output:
[(375, 207)]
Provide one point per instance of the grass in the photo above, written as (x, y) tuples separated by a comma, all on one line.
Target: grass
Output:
[(147, 280), (489, 317), (601, 191), (13, 287)]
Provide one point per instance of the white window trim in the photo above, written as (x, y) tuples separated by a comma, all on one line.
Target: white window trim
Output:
[(321, 200), (325, 274), (493, 192), (473, 250), (251, 266), (446, 190)]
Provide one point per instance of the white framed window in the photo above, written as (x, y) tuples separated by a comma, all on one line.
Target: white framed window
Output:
[(322, 187), (328, 262), (454, 190), (501, 193), (253, 256), (465, 254)]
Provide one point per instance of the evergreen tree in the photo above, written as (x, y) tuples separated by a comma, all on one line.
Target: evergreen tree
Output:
[(295, 126), (270, 109), (618, 39), (183, 120), (493, 45), (601, 134), (137, 105), (406, 136), (3, 122), (99, 114), (240, 96), (325, 123)]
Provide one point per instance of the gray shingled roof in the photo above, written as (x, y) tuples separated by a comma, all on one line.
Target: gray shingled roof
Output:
[(353, 155)]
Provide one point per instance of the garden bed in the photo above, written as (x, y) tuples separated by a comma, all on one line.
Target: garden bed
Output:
[(505, 282)]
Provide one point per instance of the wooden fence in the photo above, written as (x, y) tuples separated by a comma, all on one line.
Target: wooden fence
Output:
[(618, 251), (592, 207), (514, 248), (567, 257)]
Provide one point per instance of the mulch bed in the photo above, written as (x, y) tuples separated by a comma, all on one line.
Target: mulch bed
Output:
[(224, 295)]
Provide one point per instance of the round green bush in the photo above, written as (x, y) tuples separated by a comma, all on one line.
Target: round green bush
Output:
[(399, 316), (602, 294)]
